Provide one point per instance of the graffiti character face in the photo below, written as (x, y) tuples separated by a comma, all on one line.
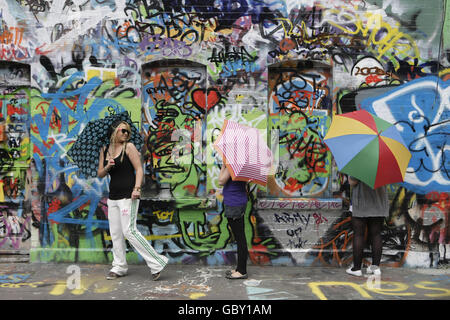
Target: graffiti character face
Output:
[(299, 104), (170, 144), (303, 154)]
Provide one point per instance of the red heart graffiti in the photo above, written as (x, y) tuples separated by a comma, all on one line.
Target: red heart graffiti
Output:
[(199, 98)]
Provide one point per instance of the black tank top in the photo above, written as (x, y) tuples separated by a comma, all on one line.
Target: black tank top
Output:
[(122, 176)]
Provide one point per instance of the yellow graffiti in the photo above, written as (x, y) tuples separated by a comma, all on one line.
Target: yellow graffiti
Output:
[(20, 284), (315, 287), (205, 28), (59, 288), (156, 236), (2, 195), (421, 285), (288, 28), (151, 237), (103, 73), (397, 289), (444, 72), (196, 295), (164, 215), (390, 38), (389, 288), (97, 284)]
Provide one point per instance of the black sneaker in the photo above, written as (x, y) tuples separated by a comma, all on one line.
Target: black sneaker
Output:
[(155, 276), (113, 276)]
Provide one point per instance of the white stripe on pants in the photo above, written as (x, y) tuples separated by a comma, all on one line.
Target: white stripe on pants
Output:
[(122, 215)]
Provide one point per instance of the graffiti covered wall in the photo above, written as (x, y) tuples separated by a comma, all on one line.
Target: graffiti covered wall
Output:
[(180, 68)]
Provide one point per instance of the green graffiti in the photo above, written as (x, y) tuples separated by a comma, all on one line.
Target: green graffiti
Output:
[(198, 236)]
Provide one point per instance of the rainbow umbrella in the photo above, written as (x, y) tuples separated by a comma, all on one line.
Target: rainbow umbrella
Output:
[(245, 152), (367, 148)]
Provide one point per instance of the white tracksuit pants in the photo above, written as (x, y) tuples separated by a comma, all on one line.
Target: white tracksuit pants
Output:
[(122, 215)]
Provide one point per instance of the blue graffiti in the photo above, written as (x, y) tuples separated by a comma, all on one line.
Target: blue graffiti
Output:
[(56, 161), (421, 111), (231, 68), (104, 3)]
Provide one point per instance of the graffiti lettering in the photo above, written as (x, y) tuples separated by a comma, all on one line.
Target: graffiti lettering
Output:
[(234, 55), (292, 218), (390, 288)]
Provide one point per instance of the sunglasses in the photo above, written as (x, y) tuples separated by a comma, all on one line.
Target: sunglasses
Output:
[(125, 131)]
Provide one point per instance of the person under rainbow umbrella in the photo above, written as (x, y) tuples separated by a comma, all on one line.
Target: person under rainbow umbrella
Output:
[(368, 148)]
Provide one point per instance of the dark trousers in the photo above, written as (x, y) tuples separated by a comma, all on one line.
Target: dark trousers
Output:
[(237, 227), (375, 226)]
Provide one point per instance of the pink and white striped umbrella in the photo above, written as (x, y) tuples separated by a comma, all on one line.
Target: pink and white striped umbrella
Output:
[(245, 152)]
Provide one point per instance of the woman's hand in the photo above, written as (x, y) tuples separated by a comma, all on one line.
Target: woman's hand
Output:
[(224, 175), (136, 194), (352, 181), (103, 170), (110, 164)]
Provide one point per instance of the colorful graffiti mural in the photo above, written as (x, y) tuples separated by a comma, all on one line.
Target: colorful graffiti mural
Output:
[(299, 104), (180, 68)]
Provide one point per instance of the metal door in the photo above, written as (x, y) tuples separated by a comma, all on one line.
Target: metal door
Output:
[(173, 123), (299, 102)]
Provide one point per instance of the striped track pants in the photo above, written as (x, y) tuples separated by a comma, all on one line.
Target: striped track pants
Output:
[(122, 215)]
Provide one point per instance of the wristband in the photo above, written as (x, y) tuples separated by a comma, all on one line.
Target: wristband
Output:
[(137, 189)]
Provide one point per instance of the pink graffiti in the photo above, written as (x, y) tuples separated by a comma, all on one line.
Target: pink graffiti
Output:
[(12, 230)]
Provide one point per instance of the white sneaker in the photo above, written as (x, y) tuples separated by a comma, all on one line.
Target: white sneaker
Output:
[(372, 269), (357, 273)]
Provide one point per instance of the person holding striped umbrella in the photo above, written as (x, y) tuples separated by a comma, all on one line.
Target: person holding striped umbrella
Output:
[(235, 202), (246, 159), (245, 152)]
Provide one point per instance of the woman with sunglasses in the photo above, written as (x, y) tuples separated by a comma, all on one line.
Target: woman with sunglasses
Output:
[(122, 161)]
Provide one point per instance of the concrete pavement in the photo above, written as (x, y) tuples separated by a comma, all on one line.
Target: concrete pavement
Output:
[(36, 281)]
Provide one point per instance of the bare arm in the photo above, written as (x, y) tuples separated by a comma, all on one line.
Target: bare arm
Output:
[(102, 171), (224, 175), (352, 181), (135, 158)]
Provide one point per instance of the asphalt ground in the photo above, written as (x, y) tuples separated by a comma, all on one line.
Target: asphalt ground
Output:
[(188, 291)]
